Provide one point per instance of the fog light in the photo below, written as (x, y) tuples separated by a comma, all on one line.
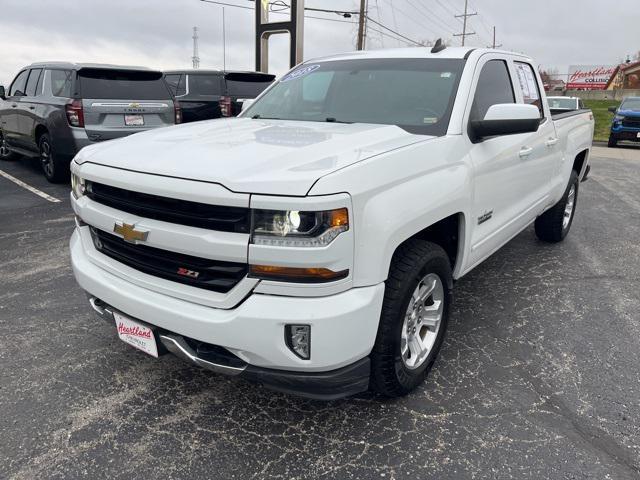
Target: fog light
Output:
[(298, 339)]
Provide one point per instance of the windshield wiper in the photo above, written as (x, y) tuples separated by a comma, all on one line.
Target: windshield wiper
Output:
[(334, 120)]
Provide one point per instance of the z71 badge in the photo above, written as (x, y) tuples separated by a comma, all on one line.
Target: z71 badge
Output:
[(185, 272)]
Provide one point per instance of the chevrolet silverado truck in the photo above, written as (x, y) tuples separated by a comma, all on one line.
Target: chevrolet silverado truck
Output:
[(311, 244)]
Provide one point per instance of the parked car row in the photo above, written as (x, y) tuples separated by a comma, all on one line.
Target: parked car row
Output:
[(52, 110)]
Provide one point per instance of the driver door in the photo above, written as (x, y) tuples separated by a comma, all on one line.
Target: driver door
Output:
[(502, 186), (9, 118)]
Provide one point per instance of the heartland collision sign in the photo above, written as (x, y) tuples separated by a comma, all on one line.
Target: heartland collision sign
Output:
[(589, 77)]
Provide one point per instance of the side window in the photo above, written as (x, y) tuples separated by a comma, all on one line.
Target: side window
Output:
[(529, 86), (182, 86), (32, 83), (580, 104), (18, 85), (61, 81), (494, 87), (173, 80)]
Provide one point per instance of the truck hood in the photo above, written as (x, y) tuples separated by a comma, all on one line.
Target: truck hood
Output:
[(247, 155), (629, 113)]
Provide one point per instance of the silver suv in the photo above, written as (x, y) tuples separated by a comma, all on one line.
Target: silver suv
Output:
[(52, 110)]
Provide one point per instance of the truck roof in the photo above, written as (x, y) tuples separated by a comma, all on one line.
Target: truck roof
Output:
[(80, 66), (191, 71), (415, 52)]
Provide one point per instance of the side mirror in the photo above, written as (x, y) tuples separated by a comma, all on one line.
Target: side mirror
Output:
[(246, 104), (505, 119), (3, 93), (613, 109)]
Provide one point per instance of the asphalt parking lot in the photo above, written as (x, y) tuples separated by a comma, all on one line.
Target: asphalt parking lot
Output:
[(539, 376)]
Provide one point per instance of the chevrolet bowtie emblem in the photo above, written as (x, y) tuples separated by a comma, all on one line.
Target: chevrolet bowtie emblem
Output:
[(129, 232), (134, 105)]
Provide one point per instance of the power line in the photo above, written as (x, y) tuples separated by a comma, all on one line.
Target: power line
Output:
[(410, 17), (431, 17), (394, 32), (278, 12)]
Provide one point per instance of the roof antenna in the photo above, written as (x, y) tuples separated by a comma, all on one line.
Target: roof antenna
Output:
[(438, 47)]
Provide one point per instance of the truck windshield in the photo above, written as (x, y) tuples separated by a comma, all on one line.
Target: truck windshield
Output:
[(416, 94), (631, 104), (122, 84)]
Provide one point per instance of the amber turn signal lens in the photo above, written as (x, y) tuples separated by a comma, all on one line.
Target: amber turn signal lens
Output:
[(295, 274), (339, 217)]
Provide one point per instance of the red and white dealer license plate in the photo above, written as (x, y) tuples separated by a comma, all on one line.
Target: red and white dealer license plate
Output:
[(136, 334)]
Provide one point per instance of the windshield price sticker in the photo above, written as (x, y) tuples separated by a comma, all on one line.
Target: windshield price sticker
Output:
[(301, 72)]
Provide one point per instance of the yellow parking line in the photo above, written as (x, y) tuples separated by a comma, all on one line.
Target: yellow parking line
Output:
[(29, 187)]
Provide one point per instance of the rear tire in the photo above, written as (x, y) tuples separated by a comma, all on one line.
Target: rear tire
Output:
[(613, 142), (554, 224), (55, 169), (414, 317), (5, 153)]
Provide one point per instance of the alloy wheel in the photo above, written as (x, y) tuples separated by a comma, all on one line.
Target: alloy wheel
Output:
[(422, 321), (568, 208), (46, 158)]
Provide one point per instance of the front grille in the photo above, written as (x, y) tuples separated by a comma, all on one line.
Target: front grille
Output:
[(631, 122), (197, 272), (183, 212)]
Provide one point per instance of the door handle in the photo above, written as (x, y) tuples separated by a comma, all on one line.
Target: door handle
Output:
[(525, 152), (14, 105), (32, 107), (551, 142)]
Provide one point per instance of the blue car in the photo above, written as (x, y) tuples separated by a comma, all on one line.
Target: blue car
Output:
[(626, 123)]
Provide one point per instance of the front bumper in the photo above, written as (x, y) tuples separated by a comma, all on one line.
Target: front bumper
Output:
[(343, 326), (625, 133), (332, 385)]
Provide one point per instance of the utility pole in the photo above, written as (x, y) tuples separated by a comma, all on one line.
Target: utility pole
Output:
[(494, 39), (224, 43), (362, 29), (466, 14), (195, 60)]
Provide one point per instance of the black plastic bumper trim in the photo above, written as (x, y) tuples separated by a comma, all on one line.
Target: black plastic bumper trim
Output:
[(332, 385)]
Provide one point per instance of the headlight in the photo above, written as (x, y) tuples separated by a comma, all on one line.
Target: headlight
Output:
[(618, 118), (293, 228), (77, 186)]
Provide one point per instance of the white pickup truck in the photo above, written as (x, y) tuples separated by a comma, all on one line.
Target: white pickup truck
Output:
[(311, 245)]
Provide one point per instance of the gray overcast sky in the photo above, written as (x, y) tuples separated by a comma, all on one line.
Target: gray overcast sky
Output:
[(157, 33)]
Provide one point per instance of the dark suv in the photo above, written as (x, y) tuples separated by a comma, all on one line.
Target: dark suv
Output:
[(206, 94), (52, 110)]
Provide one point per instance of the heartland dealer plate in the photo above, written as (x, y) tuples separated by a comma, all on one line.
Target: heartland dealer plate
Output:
[(136, 334)]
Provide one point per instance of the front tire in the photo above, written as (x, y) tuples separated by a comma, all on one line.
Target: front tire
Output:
[(613, 142), (5, 153), (554, 224), (55, 169), (414, 318)]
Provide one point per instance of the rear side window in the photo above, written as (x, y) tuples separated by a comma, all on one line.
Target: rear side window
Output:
[(18, 85), (176, 84), (32, 83), (108, 84), (205, 84), (61, 81), (529, 86), (247, 85), (494, 87)]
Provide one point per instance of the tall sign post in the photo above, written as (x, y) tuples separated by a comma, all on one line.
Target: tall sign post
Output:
[(264, 29)]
